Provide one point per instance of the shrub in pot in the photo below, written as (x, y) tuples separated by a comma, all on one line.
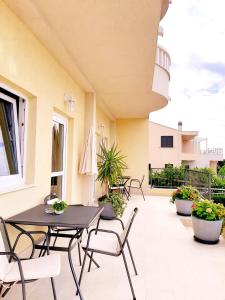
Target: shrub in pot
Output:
[(207, 221), (111, 165), (114, 205), (183, 198)]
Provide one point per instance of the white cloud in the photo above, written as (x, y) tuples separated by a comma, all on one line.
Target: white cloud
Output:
[(194, 36)]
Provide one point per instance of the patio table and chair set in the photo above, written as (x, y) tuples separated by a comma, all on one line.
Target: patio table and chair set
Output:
[(70, 225)]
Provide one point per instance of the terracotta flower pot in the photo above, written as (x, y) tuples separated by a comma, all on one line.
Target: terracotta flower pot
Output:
[(207, 232)]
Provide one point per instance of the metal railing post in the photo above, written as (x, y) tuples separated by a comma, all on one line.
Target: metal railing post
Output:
[(210, 186), (185, 176), (150, 175)]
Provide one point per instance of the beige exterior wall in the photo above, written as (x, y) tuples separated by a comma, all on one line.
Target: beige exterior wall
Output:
[(158, 156), (186, 149), (188, 146), (213, 166), (28, 68), (132, 138)]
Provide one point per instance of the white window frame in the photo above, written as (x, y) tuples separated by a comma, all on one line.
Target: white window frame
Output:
[(17, 179), (61, 120)]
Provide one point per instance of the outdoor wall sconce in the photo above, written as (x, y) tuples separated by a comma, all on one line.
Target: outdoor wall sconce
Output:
[(70, 102)]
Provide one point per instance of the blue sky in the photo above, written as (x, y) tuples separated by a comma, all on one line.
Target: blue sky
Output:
[(194, 34)]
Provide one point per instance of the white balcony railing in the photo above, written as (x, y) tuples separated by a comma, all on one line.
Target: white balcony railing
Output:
[(215, 151), (161, 77), (163, 58)]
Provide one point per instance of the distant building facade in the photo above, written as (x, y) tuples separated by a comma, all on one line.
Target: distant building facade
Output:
[(177, 147)]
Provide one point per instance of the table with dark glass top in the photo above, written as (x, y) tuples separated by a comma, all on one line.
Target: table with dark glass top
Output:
[(77, 217)]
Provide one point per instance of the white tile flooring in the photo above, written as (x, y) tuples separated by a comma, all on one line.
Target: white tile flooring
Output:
[(170, 264)]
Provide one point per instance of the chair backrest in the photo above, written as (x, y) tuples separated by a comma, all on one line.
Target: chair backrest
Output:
[(126, 231), (4, 247), (142, 180)]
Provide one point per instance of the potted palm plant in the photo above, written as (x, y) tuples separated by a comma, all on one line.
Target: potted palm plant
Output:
[(207, 221), (183, 198), (111, 165)]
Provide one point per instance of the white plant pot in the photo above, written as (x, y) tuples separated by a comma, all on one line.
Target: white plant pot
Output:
[(207, 232), (59, 212), (184, 207)]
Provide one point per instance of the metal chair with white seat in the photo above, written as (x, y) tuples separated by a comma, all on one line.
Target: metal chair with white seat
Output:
[(16, 270), (136, 184), (109, 242)]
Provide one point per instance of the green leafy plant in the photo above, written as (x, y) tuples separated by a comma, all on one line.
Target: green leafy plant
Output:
[(208, 210), (111, 165), (218, 182), (177, 176), (117, 201), (219, 198), (222, 171), (186, 193), (59, 205), (169, 176)]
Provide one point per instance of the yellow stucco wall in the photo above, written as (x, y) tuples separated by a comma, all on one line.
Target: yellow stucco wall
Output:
[(102, 120), (27, 67), (132, 137)]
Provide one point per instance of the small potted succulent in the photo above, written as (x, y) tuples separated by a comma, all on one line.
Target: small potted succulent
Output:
[(59, 206), (207, 221), (183, 198)]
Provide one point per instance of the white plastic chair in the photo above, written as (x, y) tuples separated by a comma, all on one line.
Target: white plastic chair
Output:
[(15, 270)]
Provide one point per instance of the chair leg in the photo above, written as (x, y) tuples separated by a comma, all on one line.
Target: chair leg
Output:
[(97, 226), (6, 290), (74, 275), (132, 259), (93, 261), (129, 190), (79, 253), (55, 239), (126, 194), (53, 288), (128, 275), (42, 251), (89, 267), (23, 290), (142, 193), (82, 269)]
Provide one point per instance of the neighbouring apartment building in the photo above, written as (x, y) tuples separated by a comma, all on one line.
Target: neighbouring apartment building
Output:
[(65, 69), (179, 147)]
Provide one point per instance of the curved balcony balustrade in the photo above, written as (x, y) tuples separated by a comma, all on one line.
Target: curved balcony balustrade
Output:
[(162, 73)]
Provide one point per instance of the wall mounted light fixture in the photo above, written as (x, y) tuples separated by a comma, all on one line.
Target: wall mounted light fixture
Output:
[(70, 102)]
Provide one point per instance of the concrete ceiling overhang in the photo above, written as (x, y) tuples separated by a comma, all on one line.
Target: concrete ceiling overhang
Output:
[(189, 135), (107, 47)]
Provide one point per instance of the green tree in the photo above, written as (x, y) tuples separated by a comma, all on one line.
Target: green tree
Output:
[(222, 171)]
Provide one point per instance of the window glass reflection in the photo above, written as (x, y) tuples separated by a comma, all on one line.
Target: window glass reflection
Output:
[(57, 146)]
